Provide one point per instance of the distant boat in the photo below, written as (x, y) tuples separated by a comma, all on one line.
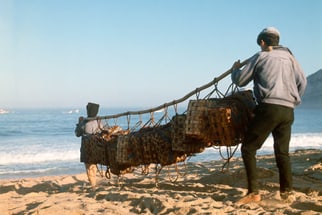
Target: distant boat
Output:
[(3, 111), (72, 111)]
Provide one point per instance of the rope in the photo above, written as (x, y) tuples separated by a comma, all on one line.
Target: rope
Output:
[(230, 154)]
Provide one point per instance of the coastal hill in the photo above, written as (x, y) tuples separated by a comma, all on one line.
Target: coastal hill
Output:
[(313, 94)]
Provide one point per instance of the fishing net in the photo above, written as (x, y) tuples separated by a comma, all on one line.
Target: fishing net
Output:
[(218, 120)]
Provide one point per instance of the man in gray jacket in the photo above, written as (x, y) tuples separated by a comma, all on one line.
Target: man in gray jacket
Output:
[(279, 83)]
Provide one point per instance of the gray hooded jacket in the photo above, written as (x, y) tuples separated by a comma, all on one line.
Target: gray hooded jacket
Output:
[(278, 77)]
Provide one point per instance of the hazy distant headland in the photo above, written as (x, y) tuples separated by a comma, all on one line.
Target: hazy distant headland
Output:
[(313, 93)]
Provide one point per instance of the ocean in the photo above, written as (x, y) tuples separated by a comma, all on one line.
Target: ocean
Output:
[(41, 142)]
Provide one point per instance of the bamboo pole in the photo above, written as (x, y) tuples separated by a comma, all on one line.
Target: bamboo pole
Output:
[(160, 107)]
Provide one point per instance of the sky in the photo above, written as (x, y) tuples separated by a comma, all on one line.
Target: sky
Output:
[(138, 53)]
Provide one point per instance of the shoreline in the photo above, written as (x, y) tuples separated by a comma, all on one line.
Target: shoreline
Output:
[(209, 155), (204, 189)]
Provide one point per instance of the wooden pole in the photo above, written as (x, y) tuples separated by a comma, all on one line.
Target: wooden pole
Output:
[(197, 90)]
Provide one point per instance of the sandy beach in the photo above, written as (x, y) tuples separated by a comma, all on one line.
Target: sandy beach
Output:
[(201, 188)]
